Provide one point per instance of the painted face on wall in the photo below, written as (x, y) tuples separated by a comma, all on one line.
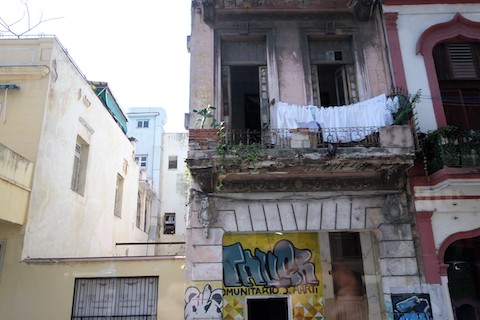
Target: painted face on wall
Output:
[(206, 304)]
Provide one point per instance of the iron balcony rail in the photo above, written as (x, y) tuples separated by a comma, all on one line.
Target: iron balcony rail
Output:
[(457, 148), (302, 138)]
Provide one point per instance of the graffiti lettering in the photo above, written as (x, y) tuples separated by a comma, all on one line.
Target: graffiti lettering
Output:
[(285, 266)]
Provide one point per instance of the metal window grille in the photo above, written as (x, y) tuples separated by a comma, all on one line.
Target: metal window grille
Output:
[(129, 298), (169, 223)]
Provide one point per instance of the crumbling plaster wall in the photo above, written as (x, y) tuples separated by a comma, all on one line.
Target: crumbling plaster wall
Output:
[(306, 212)]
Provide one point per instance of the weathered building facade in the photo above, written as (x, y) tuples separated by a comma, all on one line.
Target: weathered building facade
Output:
[(435, 47), (68, 192), (298, 206)]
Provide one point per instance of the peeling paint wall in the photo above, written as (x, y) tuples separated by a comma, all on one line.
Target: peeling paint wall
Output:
[(44, 118)]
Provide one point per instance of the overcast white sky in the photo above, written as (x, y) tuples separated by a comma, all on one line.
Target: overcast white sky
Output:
[(139, 47)]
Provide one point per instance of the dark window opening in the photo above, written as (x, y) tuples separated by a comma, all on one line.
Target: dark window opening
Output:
[(332, 83), (172, 162), (458, 71), (333, 75), (245, 97), (169, 223), (267, 309)]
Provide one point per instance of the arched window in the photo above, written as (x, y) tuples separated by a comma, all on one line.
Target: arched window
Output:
[(451, 54)]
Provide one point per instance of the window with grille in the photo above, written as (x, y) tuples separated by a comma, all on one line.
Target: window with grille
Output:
[(118, 196), (169, 223), (142, 123), (172, 162), (125, 298), (79, 172), (458, 72), (141, 159)]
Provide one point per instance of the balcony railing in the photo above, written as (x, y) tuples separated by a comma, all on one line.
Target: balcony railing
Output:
[(303, 138), (452, 148)]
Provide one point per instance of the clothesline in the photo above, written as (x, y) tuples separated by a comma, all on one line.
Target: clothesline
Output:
[(367, 116)]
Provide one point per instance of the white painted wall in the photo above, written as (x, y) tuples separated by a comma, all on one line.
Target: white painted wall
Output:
[(62, 223), (175, 184)]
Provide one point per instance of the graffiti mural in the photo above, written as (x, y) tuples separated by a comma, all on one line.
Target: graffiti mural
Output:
[(272, 265), (206, 304), (284, 266), (411, 306)]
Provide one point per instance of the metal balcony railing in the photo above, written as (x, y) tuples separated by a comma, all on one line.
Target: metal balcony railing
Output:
[(452, 148), (303, 138)]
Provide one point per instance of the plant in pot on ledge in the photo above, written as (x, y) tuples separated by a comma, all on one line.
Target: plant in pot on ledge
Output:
[(205, 137)]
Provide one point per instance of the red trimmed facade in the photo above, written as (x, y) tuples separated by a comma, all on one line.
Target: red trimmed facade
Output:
[(437, 195)]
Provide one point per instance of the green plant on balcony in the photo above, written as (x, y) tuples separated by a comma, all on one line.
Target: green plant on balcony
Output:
[(207, 115), (406, 104), (452, 147)]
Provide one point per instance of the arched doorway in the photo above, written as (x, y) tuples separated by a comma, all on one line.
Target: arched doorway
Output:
[(463, 259)]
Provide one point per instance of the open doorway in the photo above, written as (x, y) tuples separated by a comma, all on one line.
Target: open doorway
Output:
[(245, 97), (463, 259), (274, 308)]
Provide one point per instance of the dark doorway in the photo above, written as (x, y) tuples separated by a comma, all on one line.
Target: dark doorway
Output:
[(267, 309), (463, 259), (245, 97)]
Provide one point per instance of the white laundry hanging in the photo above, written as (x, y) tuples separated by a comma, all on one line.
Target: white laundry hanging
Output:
[(339, 124)]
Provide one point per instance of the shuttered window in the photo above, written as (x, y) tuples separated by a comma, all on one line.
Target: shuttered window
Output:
[(458, 71), (461, 58), (115, 298)]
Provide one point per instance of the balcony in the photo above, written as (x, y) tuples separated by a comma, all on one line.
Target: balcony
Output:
[(452, 148), (16, 175), (333, 159)]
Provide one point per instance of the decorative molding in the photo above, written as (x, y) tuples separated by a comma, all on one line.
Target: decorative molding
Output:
[(455, 28), (86, 125), (23, 72)]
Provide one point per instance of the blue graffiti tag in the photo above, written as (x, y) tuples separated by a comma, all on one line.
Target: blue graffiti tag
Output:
[(285, 266), (412, 307)]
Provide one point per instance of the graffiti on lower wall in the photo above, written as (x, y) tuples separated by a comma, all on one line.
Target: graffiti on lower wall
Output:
[(411, 306), (203, 304), (273, 265), (284, 266)]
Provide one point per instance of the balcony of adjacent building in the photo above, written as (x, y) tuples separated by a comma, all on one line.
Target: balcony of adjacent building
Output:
[(453, 150), (306, 158), (16, 175)]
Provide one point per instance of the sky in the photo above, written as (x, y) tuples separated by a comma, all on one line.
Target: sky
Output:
[(139, 47)]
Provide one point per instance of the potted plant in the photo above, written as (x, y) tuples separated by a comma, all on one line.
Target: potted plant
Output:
[(206, 136)]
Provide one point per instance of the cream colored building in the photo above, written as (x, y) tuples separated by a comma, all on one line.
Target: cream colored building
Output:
[(69, 218), (175, 179)]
